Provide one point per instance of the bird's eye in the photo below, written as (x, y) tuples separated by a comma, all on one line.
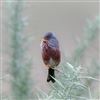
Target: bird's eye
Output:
[(45, 41)]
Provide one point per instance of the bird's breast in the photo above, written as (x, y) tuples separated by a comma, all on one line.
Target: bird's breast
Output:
[(52, 63)]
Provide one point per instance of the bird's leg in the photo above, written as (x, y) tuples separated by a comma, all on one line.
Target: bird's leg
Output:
[(51, 74), (48, 78)]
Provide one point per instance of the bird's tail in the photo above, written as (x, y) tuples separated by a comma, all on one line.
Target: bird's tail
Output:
[(51, 73)]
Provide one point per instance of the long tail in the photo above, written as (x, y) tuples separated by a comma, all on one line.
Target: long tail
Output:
[(51, 72)]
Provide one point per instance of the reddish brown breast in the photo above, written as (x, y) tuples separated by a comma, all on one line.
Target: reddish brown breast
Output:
[(48, 53)]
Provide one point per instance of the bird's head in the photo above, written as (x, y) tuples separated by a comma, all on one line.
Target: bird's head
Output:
[(48, 35)]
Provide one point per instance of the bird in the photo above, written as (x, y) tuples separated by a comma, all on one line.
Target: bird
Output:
[(51, 54)]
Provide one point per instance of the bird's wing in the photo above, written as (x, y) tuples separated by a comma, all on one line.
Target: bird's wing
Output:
[(55, 55), (54, 48), (53, 43)]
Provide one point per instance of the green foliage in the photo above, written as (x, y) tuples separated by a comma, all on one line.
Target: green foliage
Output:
[(20, 65), (67, 86), (91, 32)]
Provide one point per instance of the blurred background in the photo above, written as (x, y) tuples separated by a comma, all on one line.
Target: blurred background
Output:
[(23, 26)]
